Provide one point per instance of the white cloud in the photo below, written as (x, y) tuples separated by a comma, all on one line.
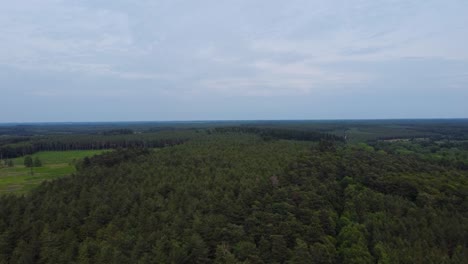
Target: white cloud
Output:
[(57, 36), (280, 79), (269, 48)]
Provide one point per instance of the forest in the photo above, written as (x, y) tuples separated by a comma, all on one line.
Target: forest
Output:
[(243, 192)]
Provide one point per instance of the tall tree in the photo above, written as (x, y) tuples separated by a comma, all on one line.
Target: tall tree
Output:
[(28, 161)]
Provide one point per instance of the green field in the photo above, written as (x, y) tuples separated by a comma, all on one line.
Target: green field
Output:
[(18, 179)]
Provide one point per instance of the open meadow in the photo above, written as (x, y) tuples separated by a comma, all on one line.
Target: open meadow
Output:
[(20, 179)]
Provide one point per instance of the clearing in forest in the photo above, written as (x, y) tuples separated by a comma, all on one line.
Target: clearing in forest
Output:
[(55, 164)]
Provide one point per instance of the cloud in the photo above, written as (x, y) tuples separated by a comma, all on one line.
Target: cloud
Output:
[(280, 79), (57, 36), (212, 50)]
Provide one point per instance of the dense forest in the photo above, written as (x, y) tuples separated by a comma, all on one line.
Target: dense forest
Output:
[(18, 147), (244, 194), (125, 138)]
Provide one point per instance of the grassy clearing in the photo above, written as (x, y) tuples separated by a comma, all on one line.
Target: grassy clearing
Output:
[(18, 179)]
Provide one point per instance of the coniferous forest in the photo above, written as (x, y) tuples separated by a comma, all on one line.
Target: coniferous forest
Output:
[(286, 192)]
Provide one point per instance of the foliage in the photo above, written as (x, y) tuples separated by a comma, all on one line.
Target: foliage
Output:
[(277, 133), (28, 162), (93, 142), (37, 162), (242, 198)]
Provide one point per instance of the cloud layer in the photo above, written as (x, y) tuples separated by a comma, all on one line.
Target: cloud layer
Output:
[(163, 60)]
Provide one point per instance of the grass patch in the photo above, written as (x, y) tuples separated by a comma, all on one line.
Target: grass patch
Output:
[(55, 164)]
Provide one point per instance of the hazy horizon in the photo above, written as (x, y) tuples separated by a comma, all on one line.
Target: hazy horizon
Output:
[(234, 120), (123, 61)]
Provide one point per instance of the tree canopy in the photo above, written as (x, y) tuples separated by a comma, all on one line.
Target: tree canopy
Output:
[(237, 197)]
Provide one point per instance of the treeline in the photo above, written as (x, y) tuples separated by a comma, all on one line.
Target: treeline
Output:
[(443, 132), (112, 158), (122, 131), (279, 133), (5, 140), (235, 198), (454, 130), (447, 153), (87, 142)]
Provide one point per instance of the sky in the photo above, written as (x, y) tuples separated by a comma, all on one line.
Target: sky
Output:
[(159, 60)]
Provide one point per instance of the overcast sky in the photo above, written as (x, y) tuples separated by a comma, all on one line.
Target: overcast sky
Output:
[(122, 60)]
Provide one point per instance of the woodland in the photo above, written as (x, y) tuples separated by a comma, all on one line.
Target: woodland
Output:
[(286, 192)]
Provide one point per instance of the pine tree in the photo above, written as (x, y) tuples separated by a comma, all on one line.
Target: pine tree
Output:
[(301, 253), (223, 255)]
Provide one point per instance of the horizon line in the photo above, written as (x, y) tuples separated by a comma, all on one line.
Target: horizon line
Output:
[(233, 120)]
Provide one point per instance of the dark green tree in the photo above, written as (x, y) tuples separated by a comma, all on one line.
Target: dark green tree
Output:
[(353, 248), (301, 253), (279, 249), (223, 255), (37, 162), (28, 161), (86, 162)]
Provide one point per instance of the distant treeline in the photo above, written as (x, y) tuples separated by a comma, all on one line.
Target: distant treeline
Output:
[(12, 139), (275, 133), (432, 137), (122, 131), (445, 131), (86, 142), (447, 153)]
